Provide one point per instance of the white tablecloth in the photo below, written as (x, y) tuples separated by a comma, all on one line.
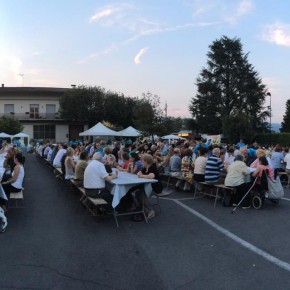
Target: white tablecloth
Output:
[(120, 186)]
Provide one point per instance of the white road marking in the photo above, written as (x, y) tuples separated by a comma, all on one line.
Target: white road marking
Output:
[(284, 198), (282, 264)]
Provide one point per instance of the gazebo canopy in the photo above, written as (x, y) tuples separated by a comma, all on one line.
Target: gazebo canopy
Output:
[(172, 137), (21, 135), (129, 132), (99, 130), (4, 135)]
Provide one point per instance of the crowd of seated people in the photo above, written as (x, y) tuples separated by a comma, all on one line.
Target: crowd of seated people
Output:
[(194, 161)]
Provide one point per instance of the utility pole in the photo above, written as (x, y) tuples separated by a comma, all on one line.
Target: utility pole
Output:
[(165, 109)]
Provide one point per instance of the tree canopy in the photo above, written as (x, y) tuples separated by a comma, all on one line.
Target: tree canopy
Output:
[(286, 118), (89, 105), (10, 126), (230, 94)]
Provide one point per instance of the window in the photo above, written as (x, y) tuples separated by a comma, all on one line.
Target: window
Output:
[(50, 111), (34, 111), (44, 131), (8, 109)]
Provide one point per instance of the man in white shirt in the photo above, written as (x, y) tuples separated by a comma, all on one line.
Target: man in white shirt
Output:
[(61, 151), (95, 178)]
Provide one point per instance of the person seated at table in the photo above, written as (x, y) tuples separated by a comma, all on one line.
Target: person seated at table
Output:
[(69, 164), (126, 161), (236, 178), (135, 164), (175, 161), (199, 167), (80, 169), (107, 152), (14, 184), (95, 178), (213, 167), (165, 163), (149, 171), (263, 166), (277, 157), (248, 159), (61, 151), (260, 153), (9, 164), (110, 163), (187, 168), (229, 156)]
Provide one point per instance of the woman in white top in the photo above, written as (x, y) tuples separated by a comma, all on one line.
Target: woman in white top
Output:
[(14, 184), (69, 164), (199, 166)]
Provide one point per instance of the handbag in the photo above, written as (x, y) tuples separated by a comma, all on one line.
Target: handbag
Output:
[(275, 188)]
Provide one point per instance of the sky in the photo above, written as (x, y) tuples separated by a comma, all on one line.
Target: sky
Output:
[(133, 47)]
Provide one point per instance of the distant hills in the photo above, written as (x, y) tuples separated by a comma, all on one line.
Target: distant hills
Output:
[(276, 127)]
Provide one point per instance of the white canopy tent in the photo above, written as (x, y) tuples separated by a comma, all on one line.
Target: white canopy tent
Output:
[(172, 137), (4, 135), (99, 130), (21, 135), (129, 132)]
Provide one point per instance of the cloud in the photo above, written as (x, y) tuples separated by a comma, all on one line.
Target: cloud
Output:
[(243, 8), (111, 14), (95, 55), (222, 10), (140, 53), (277, 33), (10, 67), (104, 12), (157, 29)]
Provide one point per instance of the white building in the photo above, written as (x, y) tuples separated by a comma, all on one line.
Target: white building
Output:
[(37, 109)]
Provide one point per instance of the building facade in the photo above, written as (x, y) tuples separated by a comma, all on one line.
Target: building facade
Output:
[(38, 110)]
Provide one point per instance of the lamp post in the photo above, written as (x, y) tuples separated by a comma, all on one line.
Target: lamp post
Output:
[(269, 94)]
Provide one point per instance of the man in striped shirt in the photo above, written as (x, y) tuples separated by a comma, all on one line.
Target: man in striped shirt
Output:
[(213, 167)]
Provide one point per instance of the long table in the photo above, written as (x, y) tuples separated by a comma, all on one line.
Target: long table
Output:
[(120, 185)]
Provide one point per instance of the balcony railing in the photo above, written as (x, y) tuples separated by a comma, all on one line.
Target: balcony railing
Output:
[(32, 116)]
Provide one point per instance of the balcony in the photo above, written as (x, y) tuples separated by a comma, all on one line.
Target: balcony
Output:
[(32, 116)]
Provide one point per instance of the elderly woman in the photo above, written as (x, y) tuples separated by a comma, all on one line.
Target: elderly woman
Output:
[(260, 153), (236, 178)]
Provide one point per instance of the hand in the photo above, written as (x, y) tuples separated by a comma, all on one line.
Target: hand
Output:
[(139, 174)]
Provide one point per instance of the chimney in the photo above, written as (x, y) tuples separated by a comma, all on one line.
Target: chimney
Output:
[(2, 85)]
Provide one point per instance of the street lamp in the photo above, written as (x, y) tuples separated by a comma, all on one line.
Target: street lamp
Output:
[(269, 94)]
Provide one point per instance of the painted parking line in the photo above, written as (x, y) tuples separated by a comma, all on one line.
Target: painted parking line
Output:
[(282, 264), (284, 198)]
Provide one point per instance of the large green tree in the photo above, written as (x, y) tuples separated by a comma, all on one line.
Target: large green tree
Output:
[(286, 119), (228, 89), (10, 126), (148, 115)]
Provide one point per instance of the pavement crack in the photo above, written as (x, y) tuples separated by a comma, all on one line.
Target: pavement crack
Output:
[(67, 276)]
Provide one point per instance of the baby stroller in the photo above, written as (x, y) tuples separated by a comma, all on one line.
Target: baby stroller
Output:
[(266, 190)]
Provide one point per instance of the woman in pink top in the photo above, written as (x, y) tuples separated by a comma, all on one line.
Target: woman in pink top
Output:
[(263, 165)]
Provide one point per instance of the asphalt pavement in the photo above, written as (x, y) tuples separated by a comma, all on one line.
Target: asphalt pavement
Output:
[(54, 243)]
